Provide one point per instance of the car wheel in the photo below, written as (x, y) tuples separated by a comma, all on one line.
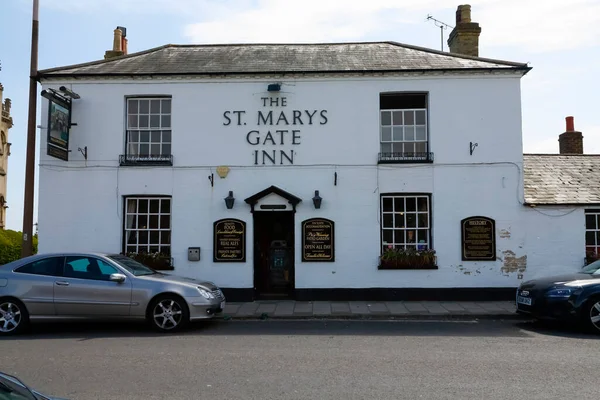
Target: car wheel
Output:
[(168, 313), (13, 317), (593, 314)]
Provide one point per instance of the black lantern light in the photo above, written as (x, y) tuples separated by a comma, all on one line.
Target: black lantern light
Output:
[(317, 200), (229, 200)]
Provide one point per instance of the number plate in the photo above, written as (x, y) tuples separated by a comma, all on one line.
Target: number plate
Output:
[(524, 300), (222, 305)]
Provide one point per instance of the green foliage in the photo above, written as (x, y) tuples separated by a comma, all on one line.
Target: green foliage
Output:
[(10, 245)]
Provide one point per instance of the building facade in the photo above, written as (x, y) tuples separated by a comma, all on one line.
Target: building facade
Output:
[(310, 171), (6, 123)]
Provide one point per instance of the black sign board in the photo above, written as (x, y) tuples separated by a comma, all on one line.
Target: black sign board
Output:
[(229, 240), (318, 241), (59, 123), (478, 239)]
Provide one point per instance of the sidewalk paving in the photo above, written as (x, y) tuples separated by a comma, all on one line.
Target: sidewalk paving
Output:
[(288, 309)]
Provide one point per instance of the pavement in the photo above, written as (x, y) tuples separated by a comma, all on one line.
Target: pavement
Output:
[(370, 310), (308, 359)]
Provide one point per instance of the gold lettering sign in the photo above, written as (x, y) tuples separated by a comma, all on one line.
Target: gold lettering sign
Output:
[(478, 239), (229, 240), (318, 244)]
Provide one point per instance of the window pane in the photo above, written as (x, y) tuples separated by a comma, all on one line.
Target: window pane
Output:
[(132, 106), (411, 204), (399, 220), (47, 266), (166, 150), (166, 106), (388, 220), (411, 237), (131, 222), (420, 117), (155, 121), (142, 221), (106, 269), (397, 118), (133, 149), (143, 206), (131, 249), (386, 118), (409, 117), (165, 250), (153, 222), (422, 236), (421, 147), (134, 136), (143, 237), (144, 106), (154, 206), (143, 121), (386, 134), (155, 106), (597, 238), (590, 221), (409, 147), (388, 236), (422, 203), (165, 221), (590, 238), (399, 236), (155, 149), (154, 249), (386, 147), (144, 136), (411, 220), (399, 204), (132, 121), (166, 136), (398, 148), (131, 237), (423, 220), (154, 237), (397, 134), (131, 205), (165, 237), (144, 149), (387, 204), (165, 206), (155, 137), (166, 121), (409, 133), (420, 133)]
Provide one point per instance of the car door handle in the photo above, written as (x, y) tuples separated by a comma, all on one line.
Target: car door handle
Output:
[(62, 283)]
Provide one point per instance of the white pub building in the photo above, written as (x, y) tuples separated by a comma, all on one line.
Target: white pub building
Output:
[(307, 171)]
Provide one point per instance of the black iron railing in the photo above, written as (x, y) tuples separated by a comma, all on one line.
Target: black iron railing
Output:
[(135, 160), (397, 158)]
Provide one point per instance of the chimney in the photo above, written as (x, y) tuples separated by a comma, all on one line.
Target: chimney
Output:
[(123, 39), (571, 141), (464, 38), (117, 45)]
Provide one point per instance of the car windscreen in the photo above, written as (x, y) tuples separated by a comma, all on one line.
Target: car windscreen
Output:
[(593, 268), (132, 266)]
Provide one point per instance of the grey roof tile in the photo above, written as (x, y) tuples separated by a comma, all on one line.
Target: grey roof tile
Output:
[(280, 58), (561, 179)]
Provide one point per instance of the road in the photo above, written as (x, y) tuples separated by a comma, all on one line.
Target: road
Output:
[(309, 360)]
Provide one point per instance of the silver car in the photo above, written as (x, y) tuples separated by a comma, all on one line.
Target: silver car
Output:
[(99, 286)]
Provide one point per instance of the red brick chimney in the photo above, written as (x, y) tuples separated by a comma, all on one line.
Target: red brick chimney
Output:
[(571, 141)]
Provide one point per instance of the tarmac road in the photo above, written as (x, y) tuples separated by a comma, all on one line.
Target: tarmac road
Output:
[(309, 360)]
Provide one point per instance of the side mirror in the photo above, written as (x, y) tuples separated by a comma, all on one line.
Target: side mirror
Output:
[(119, 278)]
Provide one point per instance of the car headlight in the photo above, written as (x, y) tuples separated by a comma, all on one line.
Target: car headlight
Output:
[(205, 293), (561, 292)]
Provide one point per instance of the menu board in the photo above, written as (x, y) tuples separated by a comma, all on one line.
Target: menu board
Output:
[(229, 241), (478, 239), (318, 243)]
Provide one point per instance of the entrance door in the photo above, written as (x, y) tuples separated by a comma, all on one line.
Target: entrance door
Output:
[(274, 254)]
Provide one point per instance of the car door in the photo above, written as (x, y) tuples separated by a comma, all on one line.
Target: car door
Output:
[(85, 289), (33, 284)]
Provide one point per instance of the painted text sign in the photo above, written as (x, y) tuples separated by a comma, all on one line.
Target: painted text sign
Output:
[(318, 242), (478, 239), (229, 241)]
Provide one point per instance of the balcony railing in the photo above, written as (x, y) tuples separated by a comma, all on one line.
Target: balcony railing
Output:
[(399, 158), (132, 160)]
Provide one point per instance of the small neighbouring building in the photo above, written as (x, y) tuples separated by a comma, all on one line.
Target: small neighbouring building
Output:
[(309, 171)]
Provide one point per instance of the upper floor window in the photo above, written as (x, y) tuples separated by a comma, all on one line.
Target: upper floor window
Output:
[(148, 134), (403, 128), (592, 234)]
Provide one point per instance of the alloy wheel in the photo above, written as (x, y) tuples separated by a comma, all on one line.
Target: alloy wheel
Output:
[(595, 315), (10, 316), (167, 314)]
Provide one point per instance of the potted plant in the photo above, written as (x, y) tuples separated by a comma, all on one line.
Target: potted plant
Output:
[(157, 261), (407, 258)]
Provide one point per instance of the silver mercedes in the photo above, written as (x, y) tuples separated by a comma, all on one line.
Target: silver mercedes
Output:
[(100, 286)]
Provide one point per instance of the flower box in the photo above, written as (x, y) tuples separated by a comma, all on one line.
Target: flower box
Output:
[(156, 261), (408, 259)]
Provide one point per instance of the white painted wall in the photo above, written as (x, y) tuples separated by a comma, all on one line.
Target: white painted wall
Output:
[(81, 202)]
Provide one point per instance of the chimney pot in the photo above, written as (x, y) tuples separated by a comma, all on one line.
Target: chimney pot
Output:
[(464, 38), (570, 124), (463, 14)]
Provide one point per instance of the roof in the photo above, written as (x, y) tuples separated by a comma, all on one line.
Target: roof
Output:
[(281, 58), (559, 179)]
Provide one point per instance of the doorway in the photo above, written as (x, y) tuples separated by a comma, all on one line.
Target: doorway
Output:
[(274, 254)]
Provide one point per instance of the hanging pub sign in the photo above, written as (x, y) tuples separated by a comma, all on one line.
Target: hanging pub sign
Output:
[(318, 241), (229, 240), (59, 122), (478, 239)]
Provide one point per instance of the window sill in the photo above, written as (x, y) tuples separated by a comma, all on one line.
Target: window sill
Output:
[(403, 266), (405, 158), (126, 160)]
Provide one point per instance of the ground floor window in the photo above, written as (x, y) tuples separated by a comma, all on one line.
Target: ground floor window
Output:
[(592, 234), (147, 225), (405, 221)]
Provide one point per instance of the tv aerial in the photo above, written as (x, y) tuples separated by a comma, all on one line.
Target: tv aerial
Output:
[(442, 25)]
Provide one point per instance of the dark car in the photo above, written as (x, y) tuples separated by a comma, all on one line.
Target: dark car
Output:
[(11, 388), (574, 297)]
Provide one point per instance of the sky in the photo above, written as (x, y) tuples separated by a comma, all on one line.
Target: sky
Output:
[(560, 39)]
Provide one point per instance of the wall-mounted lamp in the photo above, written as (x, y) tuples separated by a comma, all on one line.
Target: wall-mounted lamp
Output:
[(317, 200), (229, 200), (274, 87)]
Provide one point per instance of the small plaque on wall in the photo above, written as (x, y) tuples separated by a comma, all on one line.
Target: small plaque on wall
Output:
[(318, 240), (478, 239), (229, 240)]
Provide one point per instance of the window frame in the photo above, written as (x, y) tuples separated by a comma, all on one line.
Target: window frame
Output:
[(128, 159), (596, 213), (404, 195), (125, 214), (59, 271)]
